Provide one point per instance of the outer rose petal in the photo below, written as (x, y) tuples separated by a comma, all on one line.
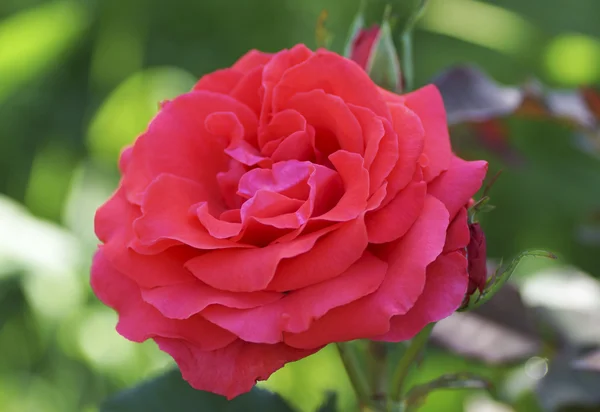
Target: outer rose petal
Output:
[(114, 226), (330, 256), (232, 370), (444, 292), (248, 270), (334, 75), (296, 311), (182, 300), (403, 284), (410, 146), (395, 219), (427, 103), (221, 81), (139, 321), (177, 142), (458, 184), (251, 60)]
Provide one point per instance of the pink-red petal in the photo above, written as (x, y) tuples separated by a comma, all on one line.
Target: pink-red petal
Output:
[(404, 282), (395, 219), (444, 292), (232, 370), (458, 184), (139, 320), (296, 311), (184, 300), (427, 103)]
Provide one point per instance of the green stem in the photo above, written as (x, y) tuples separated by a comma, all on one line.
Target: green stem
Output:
[(378, 377), (349, 356), (408, 359), (406, 61)]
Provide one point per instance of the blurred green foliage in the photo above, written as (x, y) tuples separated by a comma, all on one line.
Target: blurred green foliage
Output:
[(80, 79)]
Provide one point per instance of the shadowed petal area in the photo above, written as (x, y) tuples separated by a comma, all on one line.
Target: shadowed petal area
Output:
[(166, 218), (178, 143), (330, 256), (427, 103), (183, 300), (342, 78), (248, 270), (394, 219), (458, 184), (444, 292), (139, 321), (113, 225), (296, 311), (403, 284), (232, 370), (458, 232)]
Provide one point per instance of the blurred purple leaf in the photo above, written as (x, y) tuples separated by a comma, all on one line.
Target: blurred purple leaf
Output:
[(471, 96)]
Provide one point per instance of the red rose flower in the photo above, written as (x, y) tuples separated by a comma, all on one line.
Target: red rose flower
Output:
[(283, 204)]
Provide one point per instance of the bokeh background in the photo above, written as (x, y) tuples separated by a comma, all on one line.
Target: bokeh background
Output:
[(80, 79)]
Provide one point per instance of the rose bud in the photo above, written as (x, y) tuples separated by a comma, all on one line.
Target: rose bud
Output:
[(476, 254), (285, 203)]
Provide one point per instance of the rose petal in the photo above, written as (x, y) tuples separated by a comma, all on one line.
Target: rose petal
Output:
[(458, 184), (113, 223), (248, 270), (334, 75), (404, 282), (166, 220), (178, 143), (251, 60), (139, 321), (274, 70), (217, 228), (247, 90), (220, 81), (395, 219), (330, 256), (296, 311), (232, 370), (282, 124), (427, 103), (410, 146), (298, 145), (381, 152), (444, 292), (335, 125), (356, 188), (288, 178), (183, 300)]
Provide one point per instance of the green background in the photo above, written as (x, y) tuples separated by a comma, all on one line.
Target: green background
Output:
[(80, 79)]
